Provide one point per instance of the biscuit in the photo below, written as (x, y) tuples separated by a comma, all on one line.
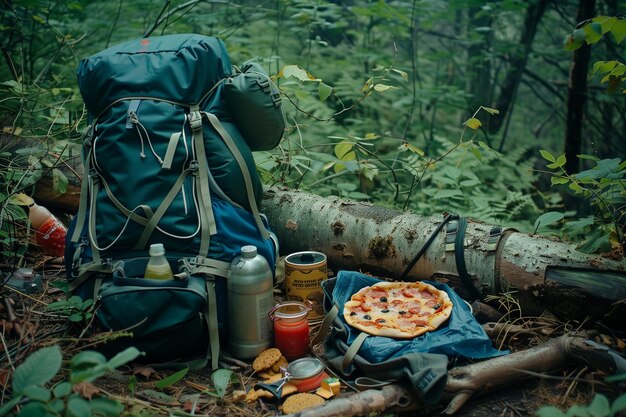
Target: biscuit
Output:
[(301, 401), (266, 359), (280, 363)]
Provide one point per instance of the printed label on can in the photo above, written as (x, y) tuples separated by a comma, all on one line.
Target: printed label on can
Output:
[(304, 273)]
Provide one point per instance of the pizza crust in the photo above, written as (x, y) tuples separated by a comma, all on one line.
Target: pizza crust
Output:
[(401, 310)]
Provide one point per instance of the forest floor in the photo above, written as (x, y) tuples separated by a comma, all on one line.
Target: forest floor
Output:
[(27, 325)]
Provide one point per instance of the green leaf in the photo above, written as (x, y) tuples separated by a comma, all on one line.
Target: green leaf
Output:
[(63, 389), (548, 218), (6, 407), (619, 30), (593, 32), (78, 407), (547, 155), (410, 147), (618, 405), (122, 358), (38, 393), (403, 74), (490, 110), (87, 359), (59, 181), (597, 242), (606, 22), (556, 180), (35, 409), (600, 406), (324, 91), (550, 411), (297, 72), (38, 369), (473, 123), (172, 379), (447, 194), (383, 87), (571, 44), (602, 67), (221, 378), (560, 161), (578, 411), (106, 407), (302, 94), (345, 151)]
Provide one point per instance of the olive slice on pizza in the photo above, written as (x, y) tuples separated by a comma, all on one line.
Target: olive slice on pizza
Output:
[(400, 310)]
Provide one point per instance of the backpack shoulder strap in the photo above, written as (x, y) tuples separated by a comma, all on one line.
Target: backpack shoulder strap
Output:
[(230, 143)]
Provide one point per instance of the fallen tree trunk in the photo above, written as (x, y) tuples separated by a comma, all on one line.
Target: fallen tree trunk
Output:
[(540, 272), (479, 378)]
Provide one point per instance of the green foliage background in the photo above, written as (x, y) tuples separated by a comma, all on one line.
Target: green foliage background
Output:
[(405, 76)]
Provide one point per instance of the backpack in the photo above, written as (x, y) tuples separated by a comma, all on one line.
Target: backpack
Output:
[(366, 361), (165, 162)]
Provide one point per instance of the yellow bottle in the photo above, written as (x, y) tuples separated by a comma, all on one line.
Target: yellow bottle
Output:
[(158, 267)]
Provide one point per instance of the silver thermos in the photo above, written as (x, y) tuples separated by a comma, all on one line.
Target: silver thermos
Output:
[(250, 299)]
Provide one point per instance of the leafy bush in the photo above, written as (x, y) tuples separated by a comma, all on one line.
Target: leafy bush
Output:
[(35, 394)]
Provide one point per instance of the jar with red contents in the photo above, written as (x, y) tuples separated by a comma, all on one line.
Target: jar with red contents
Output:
[(291, 329)]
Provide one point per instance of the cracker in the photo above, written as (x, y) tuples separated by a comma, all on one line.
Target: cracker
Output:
[(280, 363), (301, 401), (266, 359)]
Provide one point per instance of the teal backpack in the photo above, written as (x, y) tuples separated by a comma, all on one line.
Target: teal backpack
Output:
[(165, 162)]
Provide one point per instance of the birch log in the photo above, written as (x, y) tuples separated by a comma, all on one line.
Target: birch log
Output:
[(464, 382), (540, 272)]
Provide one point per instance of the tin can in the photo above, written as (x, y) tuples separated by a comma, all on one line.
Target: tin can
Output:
[(304, 273)]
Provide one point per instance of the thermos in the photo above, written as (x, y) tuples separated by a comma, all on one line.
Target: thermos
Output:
[(250, 299)]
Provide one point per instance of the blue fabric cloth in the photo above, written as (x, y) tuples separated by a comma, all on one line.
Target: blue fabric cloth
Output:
[(459, 337)]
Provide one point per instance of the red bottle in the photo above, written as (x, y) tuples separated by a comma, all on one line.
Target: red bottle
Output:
[(49, 231), (291, 329)]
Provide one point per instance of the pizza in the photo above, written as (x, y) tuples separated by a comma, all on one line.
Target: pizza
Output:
[(400, 310)]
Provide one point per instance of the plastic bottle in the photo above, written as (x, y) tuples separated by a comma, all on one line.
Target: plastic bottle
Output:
[(49, 231), (250, 299), (158, 267)]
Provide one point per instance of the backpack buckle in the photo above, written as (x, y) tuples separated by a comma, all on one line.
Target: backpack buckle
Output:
[(195, 120)]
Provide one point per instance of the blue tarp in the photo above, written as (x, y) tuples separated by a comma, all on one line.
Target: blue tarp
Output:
[(461, 337)]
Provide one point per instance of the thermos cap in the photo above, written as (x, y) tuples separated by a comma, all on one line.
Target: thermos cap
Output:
[(248, 251)]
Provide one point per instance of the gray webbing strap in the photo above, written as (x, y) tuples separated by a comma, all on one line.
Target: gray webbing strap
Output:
[(82, 204), (171, 150), (93, 238), (228, 140), (211, 319), (202, 265), (133, 216), (325, 326), (207, 220), (353, 350), (86, 270), (158, 214)]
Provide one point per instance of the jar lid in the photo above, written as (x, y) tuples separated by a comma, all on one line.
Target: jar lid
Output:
[(290, 311), (305, 368), (308, 258)]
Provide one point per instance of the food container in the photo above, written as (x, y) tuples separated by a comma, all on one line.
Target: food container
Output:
[(305, 373), (304, 273), (291, 329)]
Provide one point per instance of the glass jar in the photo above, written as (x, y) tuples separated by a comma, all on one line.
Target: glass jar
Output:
[(291, 329), (307, 373)]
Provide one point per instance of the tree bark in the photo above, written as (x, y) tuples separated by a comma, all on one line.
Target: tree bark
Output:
[(541, 272), (577, 94)]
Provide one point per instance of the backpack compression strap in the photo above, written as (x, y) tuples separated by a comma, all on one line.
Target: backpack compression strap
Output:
[(230, 143)]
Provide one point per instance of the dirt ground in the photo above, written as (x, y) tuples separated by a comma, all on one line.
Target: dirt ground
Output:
[(27, 326)]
